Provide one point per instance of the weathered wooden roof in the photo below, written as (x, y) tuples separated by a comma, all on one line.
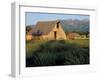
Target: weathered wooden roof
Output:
[(44, 27)]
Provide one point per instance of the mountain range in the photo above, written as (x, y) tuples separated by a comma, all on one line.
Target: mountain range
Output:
[(75, 25)]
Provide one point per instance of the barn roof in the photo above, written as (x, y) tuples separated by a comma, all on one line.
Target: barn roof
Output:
[(44, 27)]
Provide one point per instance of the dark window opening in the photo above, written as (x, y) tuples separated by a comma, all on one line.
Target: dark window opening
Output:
[(58, 24), (55, 35)]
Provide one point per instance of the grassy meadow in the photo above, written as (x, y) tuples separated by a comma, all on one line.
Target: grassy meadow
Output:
[(57, 52)]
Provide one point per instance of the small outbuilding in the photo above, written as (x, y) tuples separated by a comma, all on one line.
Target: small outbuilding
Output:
[(73, 36)]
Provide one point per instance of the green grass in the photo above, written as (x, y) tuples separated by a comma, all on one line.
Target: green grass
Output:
[(57, 52), (81, 42), (32, 46)]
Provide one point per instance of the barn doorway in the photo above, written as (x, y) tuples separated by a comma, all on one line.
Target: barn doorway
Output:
[(55, 35)]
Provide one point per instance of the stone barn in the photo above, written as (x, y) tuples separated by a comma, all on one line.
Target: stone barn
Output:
[(47, 30)]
